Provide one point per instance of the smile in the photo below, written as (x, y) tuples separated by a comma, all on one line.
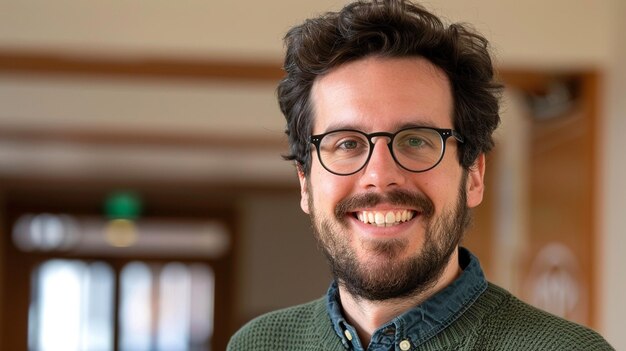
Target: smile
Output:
[(385, 218)]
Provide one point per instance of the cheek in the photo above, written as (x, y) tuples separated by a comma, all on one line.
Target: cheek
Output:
[(441, 187), (438, 193), (328, 189)]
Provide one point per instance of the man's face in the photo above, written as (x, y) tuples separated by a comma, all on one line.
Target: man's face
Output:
[(406, 256)]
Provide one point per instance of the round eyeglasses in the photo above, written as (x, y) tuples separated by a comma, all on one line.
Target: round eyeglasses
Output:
[(417, 149)]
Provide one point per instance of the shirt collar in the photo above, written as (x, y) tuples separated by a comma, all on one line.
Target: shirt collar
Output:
[(423, 321)]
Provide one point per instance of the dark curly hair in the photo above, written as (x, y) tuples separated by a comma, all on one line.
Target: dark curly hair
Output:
[(390, 28)]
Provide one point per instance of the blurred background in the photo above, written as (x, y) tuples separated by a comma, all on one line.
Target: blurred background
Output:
[(144, 204)]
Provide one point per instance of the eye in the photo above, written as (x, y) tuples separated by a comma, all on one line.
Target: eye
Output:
[(418, 140), (415, 142), (346, 142), (349, 144)]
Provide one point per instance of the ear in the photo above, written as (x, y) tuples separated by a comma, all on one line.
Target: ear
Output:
[(475, 182), (304, 190)]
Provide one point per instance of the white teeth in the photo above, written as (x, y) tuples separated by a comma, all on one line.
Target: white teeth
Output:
[(390, 217), (383, 219), (380, 218)]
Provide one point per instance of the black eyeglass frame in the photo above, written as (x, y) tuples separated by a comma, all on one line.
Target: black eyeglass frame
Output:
[(444, 133)]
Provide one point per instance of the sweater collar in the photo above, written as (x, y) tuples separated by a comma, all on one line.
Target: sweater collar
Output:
[(412, 328)]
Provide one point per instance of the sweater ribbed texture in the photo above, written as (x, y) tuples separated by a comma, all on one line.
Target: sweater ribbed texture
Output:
[(496, 321)]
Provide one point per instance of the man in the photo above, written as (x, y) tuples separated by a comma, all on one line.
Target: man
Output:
[(389, 116)]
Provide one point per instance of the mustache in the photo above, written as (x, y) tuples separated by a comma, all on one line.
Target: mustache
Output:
[(394, 197)]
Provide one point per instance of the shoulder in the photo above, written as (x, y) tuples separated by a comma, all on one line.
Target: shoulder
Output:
[(513, 322), (294, 327)]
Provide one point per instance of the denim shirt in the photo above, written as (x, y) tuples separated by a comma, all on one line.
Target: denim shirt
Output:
[(414, 327)]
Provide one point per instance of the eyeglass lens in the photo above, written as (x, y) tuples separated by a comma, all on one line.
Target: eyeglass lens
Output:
[(345, 152)]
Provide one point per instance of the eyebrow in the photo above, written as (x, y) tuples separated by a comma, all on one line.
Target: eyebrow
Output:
[(399, 126)]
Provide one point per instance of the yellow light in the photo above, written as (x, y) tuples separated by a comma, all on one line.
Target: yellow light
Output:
[(121, 233)]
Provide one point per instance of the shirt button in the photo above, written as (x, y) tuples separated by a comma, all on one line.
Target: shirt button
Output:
[(405, 345), (348, 334)]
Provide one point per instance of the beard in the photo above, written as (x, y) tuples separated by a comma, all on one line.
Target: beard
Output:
[(390, 277)]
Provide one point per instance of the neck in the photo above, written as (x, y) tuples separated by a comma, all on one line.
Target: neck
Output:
[(367, 316)]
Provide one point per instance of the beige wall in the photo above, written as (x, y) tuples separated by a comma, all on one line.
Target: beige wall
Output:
[(612, 212), (246, 30), (557, 34), (533, 32)]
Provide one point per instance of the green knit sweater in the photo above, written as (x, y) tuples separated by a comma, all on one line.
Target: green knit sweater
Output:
[(496, 321)]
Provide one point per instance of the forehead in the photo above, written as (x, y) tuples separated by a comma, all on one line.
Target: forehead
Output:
[(382, 94)]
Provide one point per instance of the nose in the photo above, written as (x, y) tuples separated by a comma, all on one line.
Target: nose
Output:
[(382, 171)]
